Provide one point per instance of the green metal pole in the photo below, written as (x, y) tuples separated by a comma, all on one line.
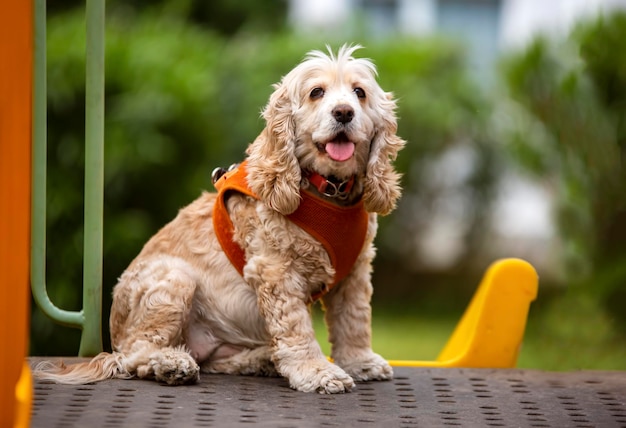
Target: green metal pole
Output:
[(89, 318), (91, 339), (38, 221)]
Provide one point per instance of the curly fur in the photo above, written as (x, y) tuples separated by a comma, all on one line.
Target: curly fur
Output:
[(181, 306)]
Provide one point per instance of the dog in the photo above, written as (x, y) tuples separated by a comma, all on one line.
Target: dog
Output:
[(226, 286)]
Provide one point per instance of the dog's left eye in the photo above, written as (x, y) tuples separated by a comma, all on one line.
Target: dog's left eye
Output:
[(359, 92)]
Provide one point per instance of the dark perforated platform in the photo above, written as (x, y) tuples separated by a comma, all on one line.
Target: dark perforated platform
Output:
[(417, 397)]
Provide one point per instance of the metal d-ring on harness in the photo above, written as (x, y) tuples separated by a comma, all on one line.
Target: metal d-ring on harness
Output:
[(340, 190), (328, 187), (219, 171)]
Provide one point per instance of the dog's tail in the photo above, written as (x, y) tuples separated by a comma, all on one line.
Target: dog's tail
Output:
[(102, 366)]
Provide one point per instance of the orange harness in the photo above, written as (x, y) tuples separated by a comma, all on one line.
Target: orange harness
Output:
[(341, 230)]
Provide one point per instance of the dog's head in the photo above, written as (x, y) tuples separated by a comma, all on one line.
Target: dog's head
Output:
[(327, 115)]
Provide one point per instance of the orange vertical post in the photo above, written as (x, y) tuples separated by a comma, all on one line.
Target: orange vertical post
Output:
[(16, 59)]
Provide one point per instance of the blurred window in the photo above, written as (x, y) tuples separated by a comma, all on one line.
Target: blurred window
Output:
[(381, 15), (476, 22)]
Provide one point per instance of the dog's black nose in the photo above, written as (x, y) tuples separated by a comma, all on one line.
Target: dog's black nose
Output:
[(343, 113)]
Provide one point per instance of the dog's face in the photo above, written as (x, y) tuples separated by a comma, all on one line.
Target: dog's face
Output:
[(336, 119), (330, 116)]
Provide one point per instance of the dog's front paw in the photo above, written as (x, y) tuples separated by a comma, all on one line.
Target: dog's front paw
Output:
[(174, 367), (367, 367), (318, 376)]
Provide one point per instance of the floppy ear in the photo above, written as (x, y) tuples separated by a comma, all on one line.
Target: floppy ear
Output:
[(273, 170), (382, 182)]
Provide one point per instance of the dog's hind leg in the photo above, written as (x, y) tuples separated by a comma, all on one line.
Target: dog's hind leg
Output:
[(151, 307)]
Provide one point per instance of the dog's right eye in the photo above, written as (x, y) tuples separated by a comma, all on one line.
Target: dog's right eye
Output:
[(317, 93)]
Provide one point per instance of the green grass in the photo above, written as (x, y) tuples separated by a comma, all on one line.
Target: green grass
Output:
[(573, 332), (400, 336), (568, 333)]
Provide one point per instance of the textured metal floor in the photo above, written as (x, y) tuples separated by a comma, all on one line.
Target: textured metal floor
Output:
[(417, 397)]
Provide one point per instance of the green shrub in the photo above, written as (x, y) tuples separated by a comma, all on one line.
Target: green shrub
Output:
[(572, 133)]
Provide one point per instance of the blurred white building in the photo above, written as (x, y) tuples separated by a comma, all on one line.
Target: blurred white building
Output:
[(523, 223), (500, 22), (487, 26)]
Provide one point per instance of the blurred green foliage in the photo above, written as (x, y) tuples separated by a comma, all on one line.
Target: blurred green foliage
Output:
[(182, 99), (572, 134), (224, 17)]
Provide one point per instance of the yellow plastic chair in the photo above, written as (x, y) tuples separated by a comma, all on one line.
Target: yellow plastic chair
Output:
[(491, 330)]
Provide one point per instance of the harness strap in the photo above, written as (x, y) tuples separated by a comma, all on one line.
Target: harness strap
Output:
[(232, 181)]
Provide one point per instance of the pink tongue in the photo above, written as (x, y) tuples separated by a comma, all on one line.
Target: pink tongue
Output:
[(340, 151)]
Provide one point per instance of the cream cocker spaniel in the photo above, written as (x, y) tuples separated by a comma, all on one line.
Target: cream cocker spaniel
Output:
[(226, 286)]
